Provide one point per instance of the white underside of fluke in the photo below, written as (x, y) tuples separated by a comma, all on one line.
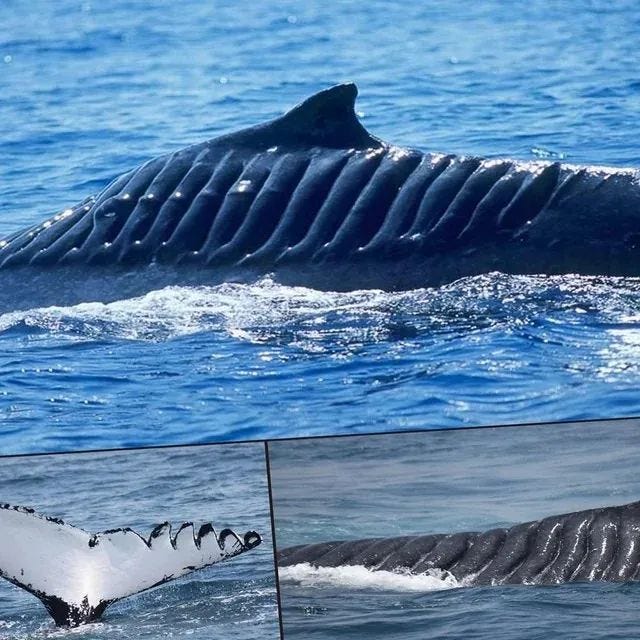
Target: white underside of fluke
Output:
[(53, 559)]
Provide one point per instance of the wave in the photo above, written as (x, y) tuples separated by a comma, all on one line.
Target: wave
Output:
[(267, 312), (358, 577)]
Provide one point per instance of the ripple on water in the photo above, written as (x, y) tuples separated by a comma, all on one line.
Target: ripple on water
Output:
[(271, 360)]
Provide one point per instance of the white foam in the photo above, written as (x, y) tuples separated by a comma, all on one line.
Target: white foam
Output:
[(266, 310), (245, 311), (358, 577)]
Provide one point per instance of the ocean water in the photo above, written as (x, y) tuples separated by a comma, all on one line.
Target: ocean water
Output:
[(443, 482), (92, 89), (224, 485)]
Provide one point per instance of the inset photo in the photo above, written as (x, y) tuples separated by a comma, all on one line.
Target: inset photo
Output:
[(502, 533), (168, 542)]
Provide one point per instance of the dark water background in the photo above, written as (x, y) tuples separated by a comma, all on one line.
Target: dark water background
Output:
[(224, 485), (443, 482), (90, 89)]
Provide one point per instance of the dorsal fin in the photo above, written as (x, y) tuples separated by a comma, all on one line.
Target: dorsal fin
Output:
[(326, 119)]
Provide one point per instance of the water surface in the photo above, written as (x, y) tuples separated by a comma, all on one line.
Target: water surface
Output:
[(443, 482), (224, 485), (90, 90)]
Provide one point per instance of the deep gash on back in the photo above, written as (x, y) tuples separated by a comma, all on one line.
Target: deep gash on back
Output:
[(585, 546), (316, 200)]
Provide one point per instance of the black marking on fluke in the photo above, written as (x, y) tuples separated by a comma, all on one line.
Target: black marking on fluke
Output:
[(600, 544), (316, 200), (16, 559), (69, 615)]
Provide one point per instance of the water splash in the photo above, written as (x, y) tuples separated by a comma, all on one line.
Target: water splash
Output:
[(357, 577), (268, 312)]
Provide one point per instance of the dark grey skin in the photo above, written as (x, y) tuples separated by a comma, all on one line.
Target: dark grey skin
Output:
[(316, 200), (584, 546)]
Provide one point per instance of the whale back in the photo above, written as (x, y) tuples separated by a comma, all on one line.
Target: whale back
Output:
[(314, 198), (592, 545)]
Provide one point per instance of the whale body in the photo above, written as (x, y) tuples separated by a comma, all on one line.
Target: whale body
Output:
[(600, 544), (316, 200), (77, 575)]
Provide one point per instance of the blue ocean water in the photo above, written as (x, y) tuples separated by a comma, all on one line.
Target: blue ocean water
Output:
[(221, 484), (91, 89), (443, 482)]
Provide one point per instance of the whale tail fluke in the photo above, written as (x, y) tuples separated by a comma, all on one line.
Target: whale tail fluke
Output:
[(77, 575)]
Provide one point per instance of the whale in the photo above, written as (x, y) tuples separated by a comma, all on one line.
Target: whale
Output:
[(592, 545), (314, 199), (77, 575)]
